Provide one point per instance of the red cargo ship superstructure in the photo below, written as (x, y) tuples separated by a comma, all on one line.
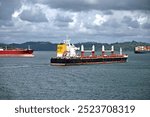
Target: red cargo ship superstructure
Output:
[(16, 52)]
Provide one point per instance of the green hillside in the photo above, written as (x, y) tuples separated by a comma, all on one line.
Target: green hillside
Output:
[(48, 46)]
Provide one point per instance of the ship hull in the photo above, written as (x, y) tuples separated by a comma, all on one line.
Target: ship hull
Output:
[(84, 61), (16, 53), (141, 52)]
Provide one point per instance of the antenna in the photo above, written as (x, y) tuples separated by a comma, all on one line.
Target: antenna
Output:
[(67, 41)]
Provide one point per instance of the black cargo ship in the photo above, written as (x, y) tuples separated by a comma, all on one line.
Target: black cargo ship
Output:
[(66, 55), (82, 61)]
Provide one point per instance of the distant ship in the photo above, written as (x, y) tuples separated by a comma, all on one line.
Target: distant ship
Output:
[(66, 55), (16, 52), (142, 49)]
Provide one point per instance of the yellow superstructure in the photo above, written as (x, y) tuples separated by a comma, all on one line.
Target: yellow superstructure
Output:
[(61, 48)]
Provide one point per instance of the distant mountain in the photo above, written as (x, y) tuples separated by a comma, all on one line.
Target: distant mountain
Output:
[(37, 46), (126, 46), (48, 46)]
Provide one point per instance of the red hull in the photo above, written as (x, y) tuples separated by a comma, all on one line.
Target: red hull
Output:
[(16, 53)]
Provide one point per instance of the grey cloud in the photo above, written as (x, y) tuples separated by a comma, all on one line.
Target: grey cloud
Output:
[(30, 16), (112, 32), (112, 23), (78, 5), (6, 23), (146, 26), (62, 21), (64, 4), (81, 14), (7, 7), (131, 23), (107, 12), (63, 18), (61, 24)]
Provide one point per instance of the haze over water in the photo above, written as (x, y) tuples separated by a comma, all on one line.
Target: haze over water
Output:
[(35, 78)]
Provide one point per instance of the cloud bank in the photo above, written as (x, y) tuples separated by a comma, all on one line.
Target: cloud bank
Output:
[(83, 20)]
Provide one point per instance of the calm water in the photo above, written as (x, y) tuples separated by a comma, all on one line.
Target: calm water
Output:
[(34, 78)]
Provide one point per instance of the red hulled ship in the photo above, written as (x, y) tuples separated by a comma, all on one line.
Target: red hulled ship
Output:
[(16, 52)]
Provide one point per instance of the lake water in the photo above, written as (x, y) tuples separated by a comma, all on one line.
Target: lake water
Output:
[(35, 78)]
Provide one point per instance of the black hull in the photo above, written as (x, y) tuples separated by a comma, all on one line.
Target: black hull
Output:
[(141, 52), (82, 61)]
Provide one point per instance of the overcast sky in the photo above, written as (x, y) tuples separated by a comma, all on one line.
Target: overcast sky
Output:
[(83, 20)]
